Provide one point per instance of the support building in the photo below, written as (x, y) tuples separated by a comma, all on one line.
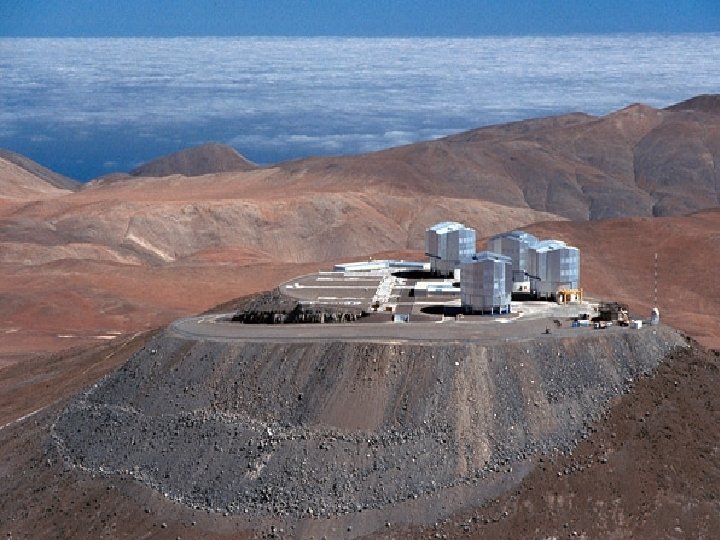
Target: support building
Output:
[(485, 284), (448, 244)]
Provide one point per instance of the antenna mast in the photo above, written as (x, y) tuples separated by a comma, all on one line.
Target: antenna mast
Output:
[(655, 312), (655, 295)]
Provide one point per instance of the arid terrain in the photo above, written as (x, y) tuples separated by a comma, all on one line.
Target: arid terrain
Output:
[(88, 272)]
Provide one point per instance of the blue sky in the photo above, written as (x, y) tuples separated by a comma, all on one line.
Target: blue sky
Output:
[(353, 17)]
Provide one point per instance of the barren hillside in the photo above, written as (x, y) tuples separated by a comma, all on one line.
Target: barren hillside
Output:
[(346, 432), (143, 250), (18, 184), (707, 103), (35, 169), (638, 161)]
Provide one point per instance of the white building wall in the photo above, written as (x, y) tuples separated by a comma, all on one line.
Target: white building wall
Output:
[(516, 245), (557, 266), (431, 243), (485, 284), (545, 266), (447, 245)]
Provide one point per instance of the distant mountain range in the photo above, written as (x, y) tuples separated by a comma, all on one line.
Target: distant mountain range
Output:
[(638, 161)]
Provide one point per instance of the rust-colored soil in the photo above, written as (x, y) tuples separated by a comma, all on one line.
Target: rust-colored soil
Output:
[(83, 272), (617, 262), (43, 380), (72, 303)]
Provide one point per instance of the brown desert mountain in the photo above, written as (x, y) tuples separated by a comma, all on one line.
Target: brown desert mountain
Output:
[(35, 169), (19, 184), (88, 272), (143, 250), (196, 161), (637, 161), (709, 103)]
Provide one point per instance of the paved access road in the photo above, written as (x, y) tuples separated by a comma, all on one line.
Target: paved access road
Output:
[(490, 329)]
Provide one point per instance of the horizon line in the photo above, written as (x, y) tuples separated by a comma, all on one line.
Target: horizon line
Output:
[(364, 36)]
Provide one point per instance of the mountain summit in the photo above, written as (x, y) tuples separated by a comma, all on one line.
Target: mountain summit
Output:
[(709, 103), (196, 161)]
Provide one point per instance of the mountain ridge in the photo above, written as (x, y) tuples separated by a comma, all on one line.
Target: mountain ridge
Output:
[(51, 177), (709, 103), (19, 185), (195, 161), (635, 161)]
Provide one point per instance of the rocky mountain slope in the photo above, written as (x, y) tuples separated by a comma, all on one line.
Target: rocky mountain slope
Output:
[(307, 430), (646, 472), (35, 169), (161, 220), (638, 161), (19, 184), (709, 103)]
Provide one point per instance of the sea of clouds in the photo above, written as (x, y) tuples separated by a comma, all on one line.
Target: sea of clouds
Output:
[(87, 107)]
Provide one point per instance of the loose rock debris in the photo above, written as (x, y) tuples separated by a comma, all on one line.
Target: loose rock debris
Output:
[(221, 426)]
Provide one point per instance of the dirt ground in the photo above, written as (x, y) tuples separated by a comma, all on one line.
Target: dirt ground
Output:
[(77, 304)]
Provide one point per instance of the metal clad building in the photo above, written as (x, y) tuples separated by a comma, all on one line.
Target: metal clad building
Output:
[(557, 266), (540, 267), (516, 245), (485, 284), (448, 244)]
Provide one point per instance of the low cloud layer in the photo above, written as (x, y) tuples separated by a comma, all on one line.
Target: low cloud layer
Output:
[(276, 98)]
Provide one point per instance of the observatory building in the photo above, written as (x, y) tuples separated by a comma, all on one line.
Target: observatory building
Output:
[(485, 284), (448, 244), (541, 268), (554, 267), (517, 264), (516, 245)]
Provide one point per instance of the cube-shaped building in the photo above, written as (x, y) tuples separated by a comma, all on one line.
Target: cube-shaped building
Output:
[(447, 245), (516, 245), (554, 266), (485, 284)]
